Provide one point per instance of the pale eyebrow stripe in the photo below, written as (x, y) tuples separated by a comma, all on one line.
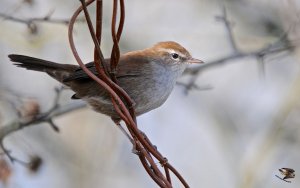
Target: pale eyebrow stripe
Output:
[(170, 51)]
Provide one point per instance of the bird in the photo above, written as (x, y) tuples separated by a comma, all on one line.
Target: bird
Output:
[(148, 76), (287, 173)]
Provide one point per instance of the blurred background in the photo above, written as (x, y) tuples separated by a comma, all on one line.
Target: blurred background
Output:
[(234, 130)]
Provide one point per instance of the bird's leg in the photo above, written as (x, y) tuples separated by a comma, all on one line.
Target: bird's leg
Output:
[(134, 148), (118, 123)]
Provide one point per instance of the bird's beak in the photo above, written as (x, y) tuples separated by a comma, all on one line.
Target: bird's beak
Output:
[(196, 61)]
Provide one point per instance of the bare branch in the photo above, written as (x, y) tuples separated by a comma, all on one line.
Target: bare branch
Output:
[(279, 46), (193, 86), (268, 50), (47, 117), (228, 26), (29, 21)]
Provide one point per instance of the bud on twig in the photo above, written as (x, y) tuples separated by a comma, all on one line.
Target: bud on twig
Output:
[(29, 110)]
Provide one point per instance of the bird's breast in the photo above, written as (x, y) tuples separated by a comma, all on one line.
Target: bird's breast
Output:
[(151, 90)]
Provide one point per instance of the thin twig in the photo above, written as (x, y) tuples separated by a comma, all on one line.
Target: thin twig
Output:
[(262, 67), (281, 45), (29, 21), (228, 26)]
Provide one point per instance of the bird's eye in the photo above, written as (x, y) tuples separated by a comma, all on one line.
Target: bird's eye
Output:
[(175, 55)]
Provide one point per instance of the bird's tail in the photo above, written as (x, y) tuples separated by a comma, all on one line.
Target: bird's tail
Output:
[(55, 70)]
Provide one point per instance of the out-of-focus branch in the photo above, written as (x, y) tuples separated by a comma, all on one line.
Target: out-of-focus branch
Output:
[(281, 45), (31, 22), (45, 19), (274, 48), (228, 26), (28, 21), (47, 117)]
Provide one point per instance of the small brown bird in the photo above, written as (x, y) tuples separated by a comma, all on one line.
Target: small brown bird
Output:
[(148, 76), (287, 173)]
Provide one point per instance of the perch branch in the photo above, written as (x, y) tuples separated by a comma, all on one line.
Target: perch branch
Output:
[(145, 149)]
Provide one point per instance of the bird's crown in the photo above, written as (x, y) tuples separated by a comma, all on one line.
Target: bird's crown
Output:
[(171, 47)]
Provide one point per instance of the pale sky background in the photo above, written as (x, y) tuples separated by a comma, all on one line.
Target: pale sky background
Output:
[(236, 135)]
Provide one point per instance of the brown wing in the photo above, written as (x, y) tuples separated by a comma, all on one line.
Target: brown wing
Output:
[(127, 73), (122, 71), (129, 66), (79, 73)]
